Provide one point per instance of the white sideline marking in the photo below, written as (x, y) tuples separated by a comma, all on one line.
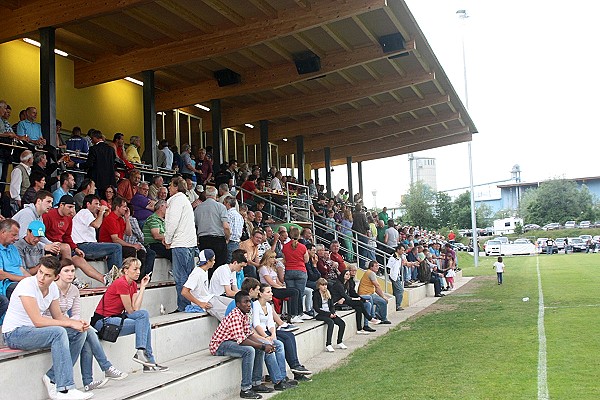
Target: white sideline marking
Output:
[(542, 371), (577, 306)]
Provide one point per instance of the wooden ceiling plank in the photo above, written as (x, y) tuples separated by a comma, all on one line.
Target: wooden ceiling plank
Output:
[(273, 77), (371, 71), (152, 22), (223, 41), (95, 37), (309, 44), (225, 11), (264, 7), (365, 30), (185, 14), (255, 58), (58, 13), (343, 43), (122, 31), (320, 100)]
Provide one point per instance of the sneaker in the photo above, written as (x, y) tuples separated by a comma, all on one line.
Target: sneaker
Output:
[(289, 327), (362, 332), (281, 386), (261, 389), (249, 394), (386, 322), (107, 279), (329, 348), (115, 273), (342, 346), (368, 329), (306, 317), (302, 378), (115, 374), (290, 382), (375, 321), (80, 285), (399, 308), (301, 370), (95, 385), (73, 394), (140, 357), (50, 387), (155, 368), (297, 320)]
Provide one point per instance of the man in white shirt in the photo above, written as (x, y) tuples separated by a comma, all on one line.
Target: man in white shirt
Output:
[(224, 281), (19, 177), (180, 236), (196, 288), (395, 263), (26, 329), (276, 181), (236, 226), (85, 223)]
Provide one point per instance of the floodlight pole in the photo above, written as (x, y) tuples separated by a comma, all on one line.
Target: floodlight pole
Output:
[(462, 14)]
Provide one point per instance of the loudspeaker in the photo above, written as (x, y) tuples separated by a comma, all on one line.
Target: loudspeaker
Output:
[(307, 62), (393, 42), (226, 77)]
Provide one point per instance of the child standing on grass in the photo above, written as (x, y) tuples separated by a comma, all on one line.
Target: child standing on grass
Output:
[(450, 274), (499, 265)]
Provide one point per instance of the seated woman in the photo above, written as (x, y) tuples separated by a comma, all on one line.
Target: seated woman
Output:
[(70, 306), (323, 305), (268, 275), (343, 293), (122, 299), (107, 197)]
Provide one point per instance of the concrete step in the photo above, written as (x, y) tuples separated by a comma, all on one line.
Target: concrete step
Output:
[(162, 267)]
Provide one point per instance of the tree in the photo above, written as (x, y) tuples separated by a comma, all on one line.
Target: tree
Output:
[(442, 210), (461, 212), (418, 203)]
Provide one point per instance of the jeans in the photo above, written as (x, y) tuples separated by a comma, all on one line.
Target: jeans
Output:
[(137, 322), (276, 362), (289, 345), (161, 251), (3, 305), (499, 274), (398, 290), (99, 250), (330, 322), (231, 246), (407, 274), (368, 307), (296, 279), (65, 345), (252, 361), (183, 265), (308, 302), (92, 347), (380, 306)]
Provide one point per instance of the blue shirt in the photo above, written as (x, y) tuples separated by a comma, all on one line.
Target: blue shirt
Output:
[(57, 194), (78, 143), (31, 129), (10, 261)]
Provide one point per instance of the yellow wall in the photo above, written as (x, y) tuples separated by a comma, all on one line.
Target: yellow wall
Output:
[(111, 107)]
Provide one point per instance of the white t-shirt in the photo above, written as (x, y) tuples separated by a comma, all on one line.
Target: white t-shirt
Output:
[(259, 318), (82, 232), (222, 276), (197, 282), (499, 266), (16, 316)]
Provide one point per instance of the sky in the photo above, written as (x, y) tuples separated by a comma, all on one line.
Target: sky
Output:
[(531, 74)]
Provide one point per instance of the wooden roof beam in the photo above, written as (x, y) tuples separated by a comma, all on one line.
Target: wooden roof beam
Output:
[(321, 100), (43, 13), (222, 41), (263, 79)]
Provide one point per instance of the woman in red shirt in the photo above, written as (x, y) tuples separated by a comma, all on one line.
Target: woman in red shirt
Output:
[(295, 258), (123, 298)]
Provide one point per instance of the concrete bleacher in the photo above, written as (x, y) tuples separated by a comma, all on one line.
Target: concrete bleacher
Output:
[(161, 272)]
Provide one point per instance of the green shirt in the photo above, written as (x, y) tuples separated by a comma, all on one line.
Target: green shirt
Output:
[(153, 221), (383, 216)]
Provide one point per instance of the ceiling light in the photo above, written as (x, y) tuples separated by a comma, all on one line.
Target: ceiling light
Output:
[(249, 126), (285, 139), (200, 106), (132, 80), (37, 44)]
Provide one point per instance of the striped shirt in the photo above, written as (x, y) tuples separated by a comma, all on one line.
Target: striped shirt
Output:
[(70, 303)]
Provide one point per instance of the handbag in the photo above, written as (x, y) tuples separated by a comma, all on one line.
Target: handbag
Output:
[(110, 332)]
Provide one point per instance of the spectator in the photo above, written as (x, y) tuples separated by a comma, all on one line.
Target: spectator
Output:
[(101, 162), (157, 183), (87, 186), (19, 178), (204, 167), (85, 225), (7, 135), (212, 226), (224, 281), (137, 237), (323, 306), (33, 211), (132, 153), (306, 236), (196, 287), (108, 197), (127, 188), (248, 191), (180, 236), (251, 246), (361, 226), (236, 225), (395, 267), (369, 286), (70, 307), (188, 169), (295, 259), (164, 147), (383, 215), (32, 250), (391, 237), (37, 182), (328, 268), (40, 163), (276, 182), (118, 145), (154, 231), (335, 256), (143, 205), (77, 144), (26, 329), (123, 297), (347, 234), (343, 294), (67, 183), (11, 272)]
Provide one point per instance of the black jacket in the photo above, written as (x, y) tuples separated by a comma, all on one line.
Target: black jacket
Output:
[(101, 166), (318, 302)]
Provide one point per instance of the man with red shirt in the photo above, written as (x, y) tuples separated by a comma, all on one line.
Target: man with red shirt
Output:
[(59, 223), (249, 188), (336, 256), (115, 226)]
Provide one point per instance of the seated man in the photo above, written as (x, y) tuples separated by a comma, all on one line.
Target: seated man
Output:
[(143, 206), (59, 224), (235, 338), (250, 247), (224, 281), (32, 250), (34, 211), (85, 223), (37, 181), (67, 183), (114, 228), (336, 256), (11, 272), (127, 188), (196, 290), (369, 286), (87, 186), (157, 183), (26, 329), (154, 231)]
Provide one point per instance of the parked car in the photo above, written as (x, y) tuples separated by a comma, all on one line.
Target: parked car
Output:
[(577, 244), (502, 239), (585, 224), (531, 227), (597, 224), (522, 241), (585, 238), (570, 225), (461, 247), (492, 247), (560, 243), (551, 226)]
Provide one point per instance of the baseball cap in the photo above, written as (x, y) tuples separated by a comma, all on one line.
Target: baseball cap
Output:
[(37, 228), (205, 255), (67, 199)]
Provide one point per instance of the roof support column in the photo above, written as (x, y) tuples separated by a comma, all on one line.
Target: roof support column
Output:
[(149, 117), (360, 180), (327, 151), (349, 167), (217, 132), (48, 85), (300, 157), (264, 146), (316, 176)]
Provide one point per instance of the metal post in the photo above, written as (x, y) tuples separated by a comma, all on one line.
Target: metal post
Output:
[(360, 180), (149, 116), (48, 85), (301, 159), (327, 151), (316, 176), (349, 168), (264, 146), (217, 131)]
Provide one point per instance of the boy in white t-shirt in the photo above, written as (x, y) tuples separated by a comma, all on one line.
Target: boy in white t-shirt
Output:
[(499, 266), (224, 280), (196, 289), (26, 329)]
